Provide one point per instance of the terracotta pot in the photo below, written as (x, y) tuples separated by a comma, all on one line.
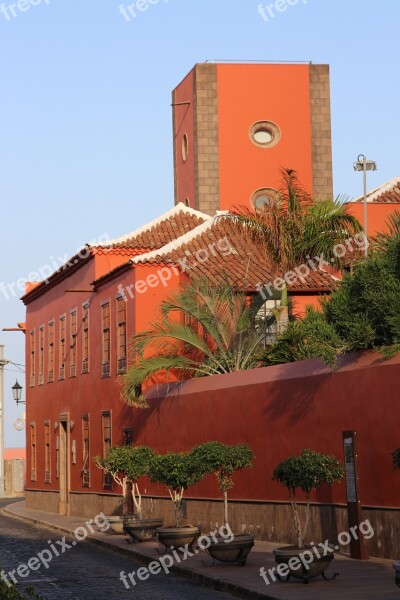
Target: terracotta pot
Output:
[(143, 529), (235, 551), (302, 570), (178, 536)]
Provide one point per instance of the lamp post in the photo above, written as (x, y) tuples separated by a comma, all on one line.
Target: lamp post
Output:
[(364, 165), (17, 390), (3, 362)]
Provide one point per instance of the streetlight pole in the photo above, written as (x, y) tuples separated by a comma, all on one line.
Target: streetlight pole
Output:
[(365, 201), (3, 362), (364, 165)]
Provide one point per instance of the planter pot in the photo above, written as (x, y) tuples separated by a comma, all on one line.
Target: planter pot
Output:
[(297, 569), (116, 523), (141, 530), (396, 567), (235, 551), (178, 537)]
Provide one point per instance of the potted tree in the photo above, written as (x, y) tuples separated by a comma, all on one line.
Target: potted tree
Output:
[(305, 472), (225, 460), (177, 470), (137, 465), (114, 464)]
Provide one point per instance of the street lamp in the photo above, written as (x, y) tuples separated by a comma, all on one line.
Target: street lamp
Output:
[(17, 390), (364, 165)]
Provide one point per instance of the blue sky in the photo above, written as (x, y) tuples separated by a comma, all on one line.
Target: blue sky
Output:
[(85, 119)]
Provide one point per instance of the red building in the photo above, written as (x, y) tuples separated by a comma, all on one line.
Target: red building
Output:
[(234, 127), (78, 325)]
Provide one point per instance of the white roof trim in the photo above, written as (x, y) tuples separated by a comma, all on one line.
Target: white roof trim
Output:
[(175, 244), (377, 192), (180, 207)]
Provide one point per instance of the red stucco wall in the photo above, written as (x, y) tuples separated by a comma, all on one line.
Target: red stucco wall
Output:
[(90, 392), (282, 410), (184, 124)]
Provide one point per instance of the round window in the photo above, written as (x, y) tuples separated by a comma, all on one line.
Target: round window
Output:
[(185, 146), (265, 134), (263, 197)]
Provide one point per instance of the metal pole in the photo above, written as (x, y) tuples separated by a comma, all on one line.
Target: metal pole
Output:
[(365, 204), (2, 479)]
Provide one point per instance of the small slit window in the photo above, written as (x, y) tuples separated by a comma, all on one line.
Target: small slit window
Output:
[(185, 147)]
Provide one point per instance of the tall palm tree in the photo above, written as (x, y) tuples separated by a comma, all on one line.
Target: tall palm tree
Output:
[(293, 227), (203, 330)]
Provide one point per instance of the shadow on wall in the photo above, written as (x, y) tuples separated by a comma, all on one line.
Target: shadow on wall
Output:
[(293, 398)]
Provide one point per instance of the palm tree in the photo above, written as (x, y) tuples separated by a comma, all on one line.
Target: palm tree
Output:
[(203, 330), (293, 227)]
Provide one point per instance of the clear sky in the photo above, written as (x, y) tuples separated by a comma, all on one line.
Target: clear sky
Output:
[(85, 118)]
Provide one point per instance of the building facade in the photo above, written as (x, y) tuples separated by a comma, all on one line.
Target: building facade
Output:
[(78, 327), (235, 126)]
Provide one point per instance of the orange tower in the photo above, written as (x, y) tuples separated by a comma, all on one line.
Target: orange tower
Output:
[(235, 125)]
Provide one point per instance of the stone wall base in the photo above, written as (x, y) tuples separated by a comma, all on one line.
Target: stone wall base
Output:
[(270, 522)]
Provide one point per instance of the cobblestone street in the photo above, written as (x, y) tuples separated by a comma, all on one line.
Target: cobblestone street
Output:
[(86, 572)]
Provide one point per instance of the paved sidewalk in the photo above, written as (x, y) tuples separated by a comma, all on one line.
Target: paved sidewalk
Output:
[(358, 580)]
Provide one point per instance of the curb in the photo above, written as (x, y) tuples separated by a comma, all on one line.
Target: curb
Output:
[(206, 580)]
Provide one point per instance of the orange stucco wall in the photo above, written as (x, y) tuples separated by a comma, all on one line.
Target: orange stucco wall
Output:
[(300, 303), (377, 214), (246, 94)]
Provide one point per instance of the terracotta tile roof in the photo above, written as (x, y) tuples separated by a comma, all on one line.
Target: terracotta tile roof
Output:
[(388, 193), (169, 226), (221, 251)]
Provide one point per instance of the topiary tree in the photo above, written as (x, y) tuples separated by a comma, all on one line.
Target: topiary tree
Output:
[(177, 470), (138, 461), (115, 463), (126, 464), (306, 472), (224, 461)]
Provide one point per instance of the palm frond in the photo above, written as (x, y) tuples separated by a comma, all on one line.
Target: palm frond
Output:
[(202, 331)]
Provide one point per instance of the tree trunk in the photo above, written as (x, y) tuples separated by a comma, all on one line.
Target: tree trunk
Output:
[(297, 523), (178, 513), (124, 496), (284, 312), (137, 499), (226, 508), (308, 517)]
